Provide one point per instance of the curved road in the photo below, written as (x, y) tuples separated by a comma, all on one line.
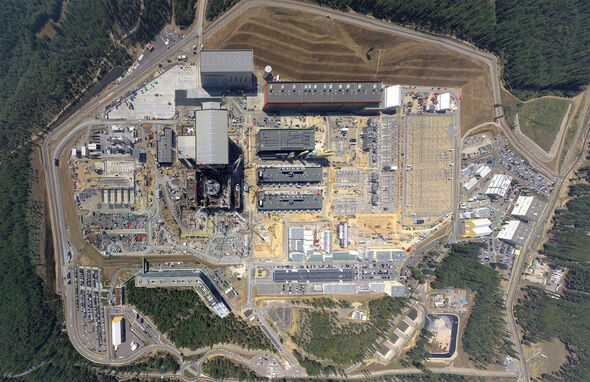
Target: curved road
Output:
[(67, 129)]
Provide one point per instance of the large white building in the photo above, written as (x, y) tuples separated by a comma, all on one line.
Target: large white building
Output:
[(209, 145), (499, 186), (227, 69), (514, 232), (117, 330), (477, 227), (527, 208), (392, 98)]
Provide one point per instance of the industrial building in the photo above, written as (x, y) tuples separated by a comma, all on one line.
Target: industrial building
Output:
[(514, 232), (477, 227), (443, 102), (228, 69), (395, 289), (289, 175), (194, 278), (313, 275), (118, 331), (209, 145), (392, 99), (499, 186), (302, 96), (528, 208), (289, 202), (164, 146), (285, 142)]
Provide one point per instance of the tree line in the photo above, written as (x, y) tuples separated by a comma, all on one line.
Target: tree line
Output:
[(544, 45)]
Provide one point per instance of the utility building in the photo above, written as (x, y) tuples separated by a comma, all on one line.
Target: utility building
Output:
[(302, 96), (284, 142), (289, 202), (164, 146), (227, 69), (289, 175)]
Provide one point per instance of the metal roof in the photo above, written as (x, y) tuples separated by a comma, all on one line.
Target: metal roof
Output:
[(227, 61), (289, 202), (286, 139), (164, 144), (361, 92), (211, 136), (290, 174)]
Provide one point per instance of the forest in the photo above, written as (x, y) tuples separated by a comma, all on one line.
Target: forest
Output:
[(485, 338), (41, 76), (184, 12), (544, 45), (216, 7), (223, 368), (189, 323), (542, 317)]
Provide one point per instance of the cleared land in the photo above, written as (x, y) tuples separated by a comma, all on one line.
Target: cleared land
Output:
[(541, 119), (303, 46)]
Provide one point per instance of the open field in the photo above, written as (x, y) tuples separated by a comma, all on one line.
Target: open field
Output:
[(302, 46), (545, 357), (541, 119)]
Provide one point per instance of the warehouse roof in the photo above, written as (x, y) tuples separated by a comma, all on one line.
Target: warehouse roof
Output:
[(228, 60), (289, 202), (361, 92), (290, 174), (286, 139), (528, 208), (211, 136)]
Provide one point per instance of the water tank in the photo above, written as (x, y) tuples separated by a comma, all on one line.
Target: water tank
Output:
[(267, 73)]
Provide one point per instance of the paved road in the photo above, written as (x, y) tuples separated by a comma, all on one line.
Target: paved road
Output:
[(145, 71)]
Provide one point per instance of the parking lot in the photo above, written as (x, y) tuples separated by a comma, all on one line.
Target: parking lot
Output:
[(89, 308)]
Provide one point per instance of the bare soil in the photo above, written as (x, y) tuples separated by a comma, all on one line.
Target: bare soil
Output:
[(303, 46)]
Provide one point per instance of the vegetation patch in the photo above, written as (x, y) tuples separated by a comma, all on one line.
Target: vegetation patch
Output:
[(543, 317), (189, 323), (541, 119), (222, 368), (485, 338), (216, 7), (184, 12), (322, 335)]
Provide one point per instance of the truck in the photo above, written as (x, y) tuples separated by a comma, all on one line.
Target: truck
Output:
[(150, 46)]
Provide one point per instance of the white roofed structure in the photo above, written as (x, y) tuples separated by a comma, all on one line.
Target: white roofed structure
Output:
[(514, 232), (499, 186), (212, 145), (527, 208), (393, 97), (444, 102), (117, 331)]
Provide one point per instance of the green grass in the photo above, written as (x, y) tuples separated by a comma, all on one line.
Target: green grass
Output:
[(540, 119)]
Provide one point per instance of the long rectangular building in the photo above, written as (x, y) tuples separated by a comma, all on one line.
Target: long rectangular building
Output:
[(274, 142), (303, 96), (289, 175), (313, 275), (289, 202)]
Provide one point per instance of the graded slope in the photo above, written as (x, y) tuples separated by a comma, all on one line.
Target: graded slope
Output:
[(304, 46)]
